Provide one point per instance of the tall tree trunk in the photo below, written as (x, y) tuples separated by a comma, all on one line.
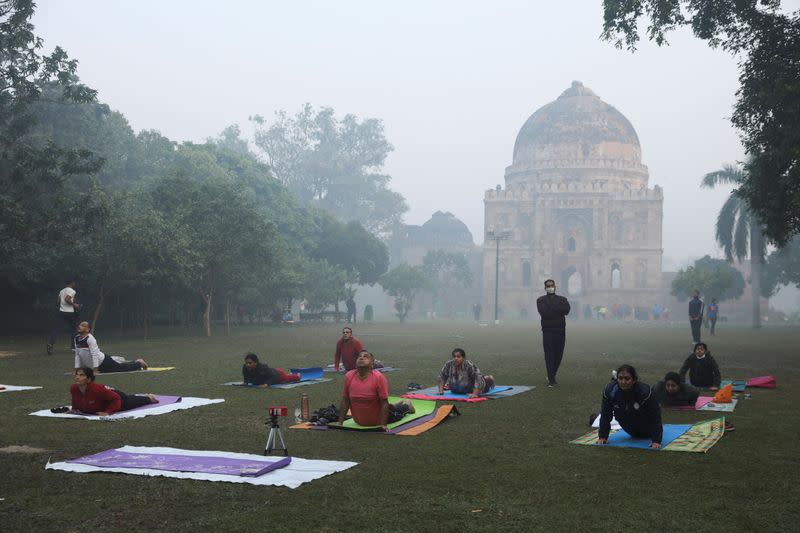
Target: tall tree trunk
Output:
[(228, 316), (99, 306), (756, 262), (207, 314)]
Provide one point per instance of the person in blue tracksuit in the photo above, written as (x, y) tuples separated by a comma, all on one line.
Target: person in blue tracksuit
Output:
[(633, 405)]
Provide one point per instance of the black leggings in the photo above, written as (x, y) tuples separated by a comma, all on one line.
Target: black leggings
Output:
[(397, 412), (109, 365), (132, 401)]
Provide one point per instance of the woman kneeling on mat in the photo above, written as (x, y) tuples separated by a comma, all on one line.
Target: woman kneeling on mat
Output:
[(673, 393), (461, 376), (702, 368), (255, 373), (92, 398), (633, 405), (87, 353)]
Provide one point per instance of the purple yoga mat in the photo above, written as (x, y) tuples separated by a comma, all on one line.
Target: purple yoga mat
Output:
[(182, 463)]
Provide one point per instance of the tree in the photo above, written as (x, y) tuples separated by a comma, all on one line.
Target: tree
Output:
[(448, 274), (736, 227), (766, 41), (782, 267), (403, 282), (333, 164), (354, 249), (714, 278), (324, 285), (37, 209)]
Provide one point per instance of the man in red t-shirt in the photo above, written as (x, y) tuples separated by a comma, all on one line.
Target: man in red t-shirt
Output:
[(365, 393), (347, 350)]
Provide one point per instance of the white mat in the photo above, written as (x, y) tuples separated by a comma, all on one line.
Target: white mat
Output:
[(14, 388), (186, 403), (614, 423), (299, 471)]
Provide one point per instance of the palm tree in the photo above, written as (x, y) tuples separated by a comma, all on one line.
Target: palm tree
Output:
[(737, 227)]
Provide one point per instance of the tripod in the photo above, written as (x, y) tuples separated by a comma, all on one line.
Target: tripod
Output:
[(274, 437)]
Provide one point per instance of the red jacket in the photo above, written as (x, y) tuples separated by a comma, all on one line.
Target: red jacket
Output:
[(98, 398), (347, 352)]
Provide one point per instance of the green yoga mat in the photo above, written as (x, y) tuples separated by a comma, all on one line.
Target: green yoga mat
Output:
[(422, 407)]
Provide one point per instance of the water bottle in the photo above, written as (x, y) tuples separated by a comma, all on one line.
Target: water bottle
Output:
[(613, 375), (304, 410), (297, 417)]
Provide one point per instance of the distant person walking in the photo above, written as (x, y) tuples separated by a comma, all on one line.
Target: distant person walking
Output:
[(350, 303), (712, 313), (476, 311), (696, 316), (553, 310), (68, 312)]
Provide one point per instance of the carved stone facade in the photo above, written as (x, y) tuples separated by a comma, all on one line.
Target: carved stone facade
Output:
[(579, 210)]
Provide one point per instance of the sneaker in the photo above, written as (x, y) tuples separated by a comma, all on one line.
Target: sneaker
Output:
[(410, 404), (414, 386), (729, 426), (49, 349), (552, 384)]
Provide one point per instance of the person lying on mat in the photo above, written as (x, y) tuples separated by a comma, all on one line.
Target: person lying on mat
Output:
[(347, 350), (633, 405), (702, 368), (92, 398), (87, 353), (461, 376), (255, 373), (365, 393), (672, 392)]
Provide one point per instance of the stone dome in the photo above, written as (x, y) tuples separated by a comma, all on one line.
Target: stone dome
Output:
[(446, 228), (579, 127)]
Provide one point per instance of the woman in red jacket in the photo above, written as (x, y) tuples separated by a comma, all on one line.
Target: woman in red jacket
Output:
[(92, 398)]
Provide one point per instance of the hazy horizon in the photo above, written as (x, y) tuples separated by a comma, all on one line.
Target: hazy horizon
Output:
[(453, 83)]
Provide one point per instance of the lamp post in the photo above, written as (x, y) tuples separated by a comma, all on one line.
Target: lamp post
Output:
[(497, 236)]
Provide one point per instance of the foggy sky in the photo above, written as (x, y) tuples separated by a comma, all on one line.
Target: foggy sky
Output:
[(453, 82)]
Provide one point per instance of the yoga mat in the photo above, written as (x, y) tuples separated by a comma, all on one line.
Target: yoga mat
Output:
[(766, 382), (15, 388), (150, 369), (421, 407), (279, 385), (186, 402), (293, 475), (619, 438), (432, 393), (713, 406), (699, 437), (738, 384), (182, 463), (408, 429), (314, 372)]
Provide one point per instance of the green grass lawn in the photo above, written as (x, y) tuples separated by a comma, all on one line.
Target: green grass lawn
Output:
[(504, 465)]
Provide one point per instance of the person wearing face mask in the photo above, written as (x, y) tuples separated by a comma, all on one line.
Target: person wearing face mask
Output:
[(702, 368), (634, 407), (672, 392), (553, 310)]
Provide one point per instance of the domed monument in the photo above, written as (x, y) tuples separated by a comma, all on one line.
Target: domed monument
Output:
[(576, 208)]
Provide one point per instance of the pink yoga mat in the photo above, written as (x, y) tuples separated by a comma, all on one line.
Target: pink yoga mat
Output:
[(765, 382)]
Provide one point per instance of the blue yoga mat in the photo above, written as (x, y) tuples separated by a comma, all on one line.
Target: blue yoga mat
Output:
[(493, 390), (738, 385), (623, 440), (306, 374)]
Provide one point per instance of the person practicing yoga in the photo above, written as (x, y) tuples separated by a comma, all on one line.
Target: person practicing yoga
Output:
[(461, 376), (256, 373), (633, 405), (347, 350), (674, 393), (92, 398), (87, 353), (702, 368), (365, 393)]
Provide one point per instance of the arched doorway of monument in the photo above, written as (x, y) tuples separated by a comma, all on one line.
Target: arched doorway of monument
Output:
[(572, 281)]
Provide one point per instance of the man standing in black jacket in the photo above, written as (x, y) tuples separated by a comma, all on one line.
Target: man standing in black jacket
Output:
[(696, 316), (553, 309)]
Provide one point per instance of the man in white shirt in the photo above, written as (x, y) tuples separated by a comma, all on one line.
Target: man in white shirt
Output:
[(88, 354), (67, 315)]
